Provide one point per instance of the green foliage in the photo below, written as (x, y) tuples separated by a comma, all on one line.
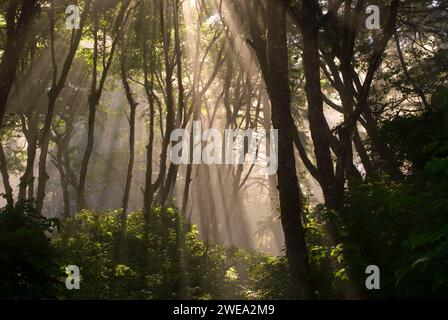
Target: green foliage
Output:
[(402, 225), (271, 279), (167, 262), (328, 266), (126, 259), (28, 262), (416, 139)]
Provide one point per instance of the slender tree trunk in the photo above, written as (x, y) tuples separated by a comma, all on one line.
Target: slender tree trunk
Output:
[(132, 115), (58, 162), (365, 159), (318, 124), (87, 155), (44, 143), (188, 175), (95, 94), (173, 169), (196, 117), (148, 73), (56, 88), (415, 85), (27, 180), (166, 32), (92, 103)]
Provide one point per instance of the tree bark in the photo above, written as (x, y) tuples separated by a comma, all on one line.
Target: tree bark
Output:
[(318, 124), (16, 33), (276, 74), (27, 179)]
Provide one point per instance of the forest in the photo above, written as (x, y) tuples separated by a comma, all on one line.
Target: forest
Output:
[(224, 149)]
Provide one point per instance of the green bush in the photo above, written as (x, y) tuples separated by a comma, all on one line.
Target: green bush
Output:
[(28, 262), (402, 225), (162, 264)]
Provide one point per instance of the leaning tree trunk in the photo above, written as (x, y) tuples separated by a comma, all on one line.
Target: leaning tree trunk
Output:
[(58, 85), (17, 29), (318, 123), (132, 115)]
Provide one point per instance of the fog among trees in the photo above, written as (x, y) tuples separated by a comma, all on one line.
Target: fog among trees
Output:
[(350, 102)]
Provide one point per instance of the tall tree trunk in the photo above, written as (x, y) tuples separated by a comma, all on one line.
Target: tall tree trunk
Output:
[(148, 73), (93, 100), (133, 109), (288, 184), (318, 124), (173, 169), (96, 92), (87, 154), (166, 33), (56, 88)]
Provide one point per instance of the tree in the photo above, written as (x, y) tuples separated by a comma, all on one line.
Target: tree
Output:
[(97, 84), (133, 108), (17, 30), (57, 85), (272, 54)]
